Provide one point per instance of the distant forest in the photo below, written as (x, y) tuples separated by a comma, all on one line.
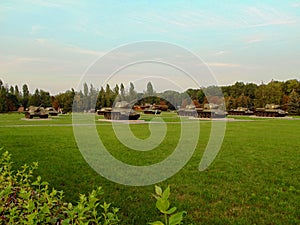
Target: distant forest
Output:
[(249, 95)]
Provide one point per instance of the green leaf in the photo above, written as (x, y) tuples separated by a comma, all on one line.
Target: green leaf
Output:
[(30, 205), (176, 218), (70, 206), (158, 190), (172, 210), (66, 222), (162, 205), (157, 223), (166, 193), (35, 183), (44, 183)]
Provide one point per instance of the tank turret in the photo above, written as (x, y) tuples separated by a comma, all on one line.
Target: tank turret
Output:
[(121, 111), (211, 110), (101, 111), (189, 110), (52, 111), (152, 110), (270, 110), (240, 111), (36, 111)]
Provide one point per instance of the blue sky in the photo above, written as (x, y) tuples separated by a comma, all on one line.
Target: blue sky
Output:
[(49, 44)]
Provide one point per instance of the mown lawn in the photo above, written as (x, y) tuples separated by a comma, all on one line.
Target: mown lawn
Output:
[(255, 178)]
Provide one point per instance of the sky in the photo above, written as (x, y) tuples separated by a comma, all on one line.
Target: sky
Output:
[(51, 45)]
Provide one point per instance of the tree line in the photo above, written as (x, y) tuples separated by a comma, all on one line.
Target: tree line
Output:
[(249, 95)]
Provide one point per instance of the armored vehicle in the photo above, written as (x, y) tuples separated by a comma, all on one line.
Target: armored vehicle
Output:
[(101, 111), (160, 107), (211, 111), (270, 110), (52, 111), (121, 111), (240, 111), (36, 111), (189, 110), (152, 110)]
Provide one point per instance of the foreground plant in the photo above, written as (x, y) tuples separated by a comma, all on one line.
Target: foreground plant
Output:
[(163, 205), (26, 202)]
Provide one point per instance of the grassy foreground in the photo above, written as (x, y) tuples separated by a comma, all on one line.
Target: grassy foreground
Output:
[(255, 178)]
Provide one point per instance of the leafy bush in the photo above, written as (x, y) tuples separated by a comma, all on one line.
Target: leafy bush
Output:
[(25, 202), (163, 205)]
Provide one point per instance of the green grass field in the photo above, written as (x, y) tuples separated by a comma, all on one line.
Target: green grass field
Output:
[(255, 178)]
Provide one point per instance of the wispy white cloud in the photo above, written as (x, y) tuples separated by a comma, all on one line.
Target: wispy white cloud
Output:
[(295, 4), (226, 65), (255, 40), (29, 59), (35, 29), (274, 22), (44, 3), (261, 16), (220, 53), (83, 51)]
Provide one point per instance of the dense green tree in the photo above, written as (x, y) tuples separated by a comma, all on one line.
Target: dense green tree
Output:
[(239, 94), (101, 99), (35, 99), (116, 94), (274, 92), (237, 89), (261, 98), (213, 91), (18, 94), (65, 101), (45, 98), (108, 96), (12, 102), (11, 90), (25, 96), (93, 97), (122, 92), (132, 95), (243, 101), (149, 90), (230, 103), (86, 97), (3, 98), (294, 103), (291, 85)]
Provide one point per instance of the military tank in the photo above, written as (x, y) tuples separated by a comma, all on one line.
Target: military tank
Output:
[(52, 111), (211, 111), (121, 111), (160, 107), (36, 111), (270, 110), (189, 110), (101, 111), (152, 110), (240, 111)]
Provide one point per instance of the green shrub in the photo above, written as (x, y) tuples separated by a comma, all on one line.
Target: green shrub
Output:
[(163, 205), (25, 202)]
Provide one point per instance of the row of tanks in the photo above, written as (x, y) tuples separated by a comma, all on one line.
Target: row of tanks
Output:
[(123, 111), (208, 111), (213, 111), (40, 112), (270, 110)]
